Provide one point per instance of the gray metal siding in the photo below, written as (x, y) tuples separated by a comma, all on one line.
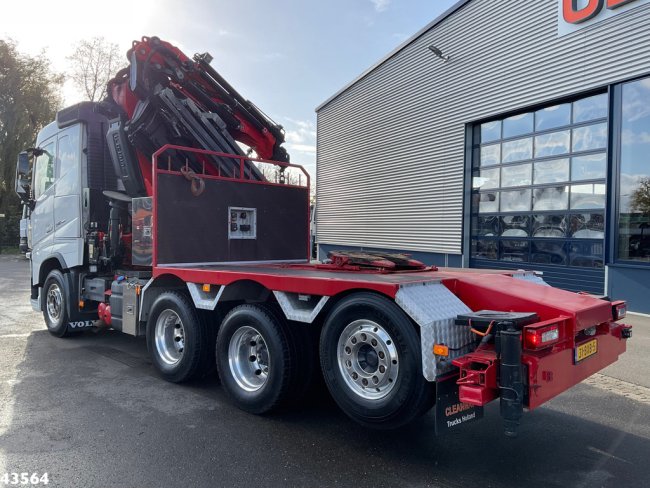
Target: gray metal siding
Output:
[(390, 148)]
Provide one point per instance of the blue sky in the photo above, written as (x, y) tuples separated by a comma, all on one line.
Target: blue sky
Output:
[(287, 56)]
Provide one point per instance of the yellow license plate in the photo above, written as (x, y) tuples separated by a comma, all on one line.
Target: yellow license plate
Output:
[(583, 351)]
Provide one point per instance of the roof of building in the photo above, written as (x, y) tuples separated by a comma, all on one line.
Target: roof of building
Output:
[(452, 10)]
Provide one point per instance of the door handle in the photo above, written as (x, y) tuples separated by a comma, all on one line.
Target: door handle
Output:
[(49, 229), (60, 222)]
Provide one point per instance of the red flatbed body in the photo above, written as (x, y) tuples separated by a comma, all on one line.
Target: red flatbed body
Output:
[(315, 280), (550, 371)]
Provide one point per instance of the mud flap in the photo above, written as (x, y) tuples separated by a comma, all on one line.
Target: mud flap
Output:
[(81, 324), (450, 411), (78, 318)]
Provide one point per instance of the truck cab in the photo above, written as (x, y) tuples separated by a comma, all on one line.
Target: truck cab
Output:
[(61, 181), (57, 183)]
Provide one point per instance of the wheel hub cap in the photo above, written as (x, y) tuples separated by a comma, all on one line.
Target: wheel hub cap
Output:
[(54, 303), (170, 337), (249, 360), (368, 359)]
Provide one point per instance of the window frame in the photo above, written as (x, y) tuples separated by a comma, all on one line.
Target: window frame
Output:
[(614, 189), (53, 155), (473, 168), (75, 135)]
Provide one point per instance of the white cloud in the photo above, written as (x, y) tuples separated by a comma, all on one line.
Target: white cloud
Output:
[(294, 137), (306, 148), (300, 132), (305, 124), (300, 137), (380, 5), (635, 105), (631, 137)]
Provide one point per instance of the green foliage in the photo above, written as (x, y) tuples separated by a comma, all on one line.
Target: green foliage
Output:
[(10, 231), (29, 98), (641, 197)]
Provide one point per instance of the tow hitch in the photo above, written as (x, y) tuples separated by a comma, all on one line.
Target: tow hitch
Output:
[(495, 369)]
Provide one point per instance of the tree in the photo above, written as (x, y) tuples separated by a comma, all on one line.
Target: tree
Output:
[(29, 99), (641, 197), (93, 63)]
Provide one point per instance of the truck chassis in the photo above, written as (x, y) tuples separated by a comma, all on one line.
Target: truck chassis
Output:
[(206, 253)]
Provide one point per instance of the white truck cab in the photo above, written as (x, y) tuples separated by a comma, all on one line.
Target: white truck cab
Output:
[(61, 181), (57, 183)]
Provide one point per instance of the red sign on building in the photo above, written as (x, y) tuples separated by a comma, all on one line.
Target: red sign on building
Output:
[(574, 15)]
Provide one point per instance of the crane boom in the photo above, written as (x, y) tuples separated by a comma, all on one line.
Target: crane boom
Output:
[(164, 97)]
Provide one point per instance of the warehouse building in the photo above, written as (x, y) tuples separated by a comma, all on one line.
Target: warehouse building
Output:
[(503, 135)]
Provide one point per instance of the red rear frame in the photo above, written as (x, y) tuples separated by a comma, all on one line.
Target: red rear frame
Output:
[(550, 371)]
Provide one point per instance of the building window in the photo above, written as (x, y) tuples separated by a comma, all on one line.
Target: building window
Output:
[(539, 185), (634, 179)]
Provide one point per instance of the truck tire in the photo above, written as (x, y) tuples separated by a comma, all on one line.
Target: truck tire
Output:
[(55, 305), (178, 338), (371, 359), (254, 358)]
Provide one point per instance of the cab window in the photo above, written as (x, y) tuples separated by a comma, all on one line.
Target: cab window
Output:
[(68, 151), (44, 170)]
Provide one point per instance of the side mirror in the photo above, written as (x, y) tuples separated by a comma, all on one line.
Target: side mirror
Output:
[(23, 176)]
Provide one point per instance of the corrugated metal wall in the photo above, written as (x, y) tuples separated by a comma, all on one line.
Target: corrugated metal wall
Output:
[(391, 146)]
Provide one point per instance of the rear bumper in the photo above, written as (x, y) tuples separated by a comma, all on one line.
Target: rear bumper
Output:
[(555, 372)]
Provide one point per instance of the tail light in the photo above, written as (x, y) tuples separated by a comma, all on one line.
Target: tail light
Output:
[(619, 310), (541, 335)]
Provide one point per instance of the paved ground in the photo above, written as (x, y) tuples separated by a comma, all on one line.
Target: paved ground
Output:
[(90, 411)]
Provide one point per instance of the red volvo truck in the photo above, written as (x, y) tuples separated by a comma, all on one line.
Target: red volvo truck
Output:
[(170, 210)]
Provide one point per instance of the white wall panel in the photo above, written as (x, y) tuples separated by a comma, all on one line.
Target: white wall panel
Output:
[(390, 146)]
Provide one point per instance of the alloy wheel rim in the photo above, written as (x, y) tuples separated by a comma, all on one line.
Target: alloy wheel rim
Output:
[(368, 359), (249, 358), (54, 303), (170, 337)]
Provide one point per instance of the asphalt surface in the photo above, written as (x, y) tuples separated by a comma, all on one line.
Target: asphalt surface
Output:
[(90, 411)]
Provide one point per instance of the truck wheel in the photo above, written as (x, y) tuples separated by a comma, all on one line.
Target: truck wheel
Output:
[(371, 359), (254, 358), (177, 338), (55, 305)]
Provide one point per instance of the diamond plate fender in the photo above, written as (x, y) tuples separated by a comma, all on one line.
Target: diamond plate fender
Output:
[(301, 308), (434, 308), (205, 300)]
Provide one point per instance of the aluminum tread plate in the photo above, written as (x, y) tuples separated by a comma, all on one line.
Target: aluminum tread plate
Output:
[(434, 308)]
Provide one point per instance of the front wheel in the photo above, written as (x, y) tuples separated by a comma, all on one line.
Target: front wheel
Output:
[(55, 305), (371, 358)]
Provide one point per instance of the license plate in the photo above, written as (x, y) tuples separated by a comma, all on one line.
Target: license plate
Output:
[(583, 351)]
